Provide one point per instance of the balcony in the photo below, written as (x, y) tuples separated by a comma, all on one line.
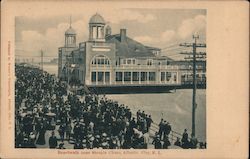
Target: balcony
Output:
[(146, 67)]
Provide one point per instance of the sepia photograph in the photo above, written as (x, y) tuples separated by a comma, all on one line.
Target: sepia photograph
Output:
[(124, 79), (116, 79)]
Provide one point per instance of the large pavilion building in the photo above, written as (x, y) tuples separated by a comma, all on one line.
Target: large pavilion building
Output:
[(107, 59)]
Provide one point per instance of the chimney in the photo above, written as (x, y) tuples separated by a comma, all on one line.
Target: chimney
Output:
[(123, 35)]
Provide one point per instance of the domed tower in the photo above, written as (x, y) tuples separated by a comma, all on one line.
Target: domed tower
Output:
[(96, 28), (108, 31), (70, 37)]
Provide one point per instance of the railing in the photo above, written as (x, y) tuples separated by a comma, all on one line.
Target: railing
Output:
[(155, 128), (133, 67), (136, 83)]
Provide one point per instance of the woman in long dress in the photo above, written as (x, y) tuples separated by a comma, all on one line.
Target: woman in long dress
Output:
[(41, 137)]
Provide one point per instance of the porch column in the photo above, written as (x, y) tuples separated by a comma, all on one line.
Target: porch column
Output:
[(122, 77), (131, 77), (139, 77)]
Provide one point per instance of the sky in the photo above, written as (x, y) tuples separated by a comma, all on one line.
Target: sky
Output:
[(162, 28)]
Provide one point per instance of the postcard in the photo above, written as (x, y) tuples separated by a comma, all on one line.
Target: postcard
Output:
[(124, 79)]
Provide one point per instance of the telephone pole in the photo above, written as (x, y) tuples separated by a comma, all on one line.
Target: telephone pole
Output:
[(42, 60), (67, 67), (193, 56)]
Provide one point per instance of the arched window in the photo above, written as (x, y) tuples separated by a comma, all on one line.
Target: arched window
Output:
[(150, 62), (100, 60)]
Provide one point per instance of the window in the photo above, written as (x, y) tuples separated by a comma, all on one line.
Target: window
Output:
[(162, 76), (99, 32), (175, 76), (128, 61), (133, 61), (94, 32), (106, 62), (100, 76), (127, 76), (151, 76), (107, 77), (118, 76), (149, 62), (93, 76), (100, 60), (168, 74), (143, 76), (135, 76)]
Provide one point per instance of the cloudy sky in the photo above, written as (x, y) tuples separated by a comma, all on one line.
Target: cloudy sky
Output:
[(163, 28)]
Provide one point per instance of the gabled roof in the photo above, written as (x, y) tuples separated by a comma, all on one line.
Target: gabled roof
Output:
[(130, 48)]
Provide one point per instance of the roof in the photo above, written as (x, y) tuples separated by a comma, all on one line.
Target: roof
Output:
[(152, 48), (130, 48), (96, 19), (70, 31), (164, 58)]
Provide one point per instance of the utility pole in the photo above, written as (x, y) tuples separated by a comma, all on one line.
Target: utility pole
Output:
[(42, 60), (194, 54), (67, 67)]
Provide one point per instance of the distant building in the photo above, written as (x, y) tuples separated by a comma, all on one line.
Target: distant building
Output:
[(117, 59), (54, 61)]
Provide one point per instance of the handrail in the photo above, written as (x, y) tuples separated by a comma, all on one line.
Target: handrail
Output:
[(155, 128)]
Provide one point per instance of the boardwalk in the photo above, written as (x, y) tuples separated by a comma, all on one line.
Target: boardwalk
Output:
[(80, 112)]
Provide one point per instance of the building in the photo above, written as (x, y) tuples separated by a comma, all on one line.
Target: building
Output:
[(107, 59), (186, 71)]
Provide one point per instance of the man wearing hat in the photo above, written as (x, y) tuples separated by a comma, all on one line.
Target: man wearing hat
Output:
[(161, 128), (96, 141), (149, 121), (77, 131), (113, 143), (61, 131), (104, 135), (105, 145), (166, 143), (52, 141), (167, 129), (157, 142), (90, 141), (184, 139)]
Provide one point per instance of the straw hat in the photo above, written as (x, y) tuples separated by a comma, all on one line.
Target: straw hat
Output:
[(97, 136), (104, 134), (92, 138)]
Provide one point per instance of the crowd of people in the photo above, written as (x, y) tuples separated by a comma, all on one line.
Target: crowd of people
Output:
[(43, 105)]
